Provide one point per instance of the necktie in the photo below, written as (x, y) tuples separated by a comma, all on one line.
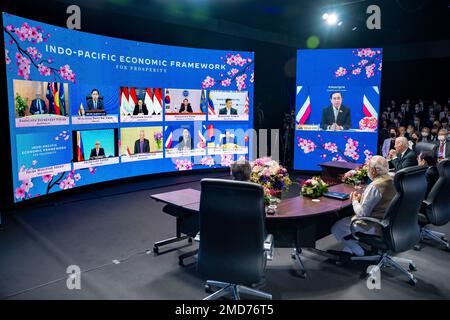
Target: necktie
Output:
[(95, 104), (441, 150), (335, 114), (39, 106)]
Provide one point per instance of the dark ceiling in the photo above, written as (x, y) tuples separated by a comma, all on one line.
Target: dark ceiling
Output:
[(402, 21)]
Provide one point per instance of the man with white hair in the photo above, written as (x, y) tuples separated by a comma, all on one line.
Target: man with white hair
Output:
[(372, 203), (402, 157)]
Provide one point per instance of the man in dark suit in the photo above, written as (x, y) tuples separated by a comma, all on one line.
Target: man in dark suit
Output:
[(141, 145), (336, 117), (95, 103), (443, 144), (185, 106), (185, 141), (38, 105), (402, 157), (228, 108), (228, 138), (140, 108), (428, 159), (97, 152)]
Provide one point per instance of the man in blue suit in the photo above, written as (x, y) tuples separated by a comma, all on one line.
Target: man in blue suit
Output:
[(336, 117), (38, 105)]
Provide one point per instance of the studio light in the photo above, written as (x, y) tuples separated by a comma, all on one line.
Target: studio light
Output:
[(325, 16), (332, 19)]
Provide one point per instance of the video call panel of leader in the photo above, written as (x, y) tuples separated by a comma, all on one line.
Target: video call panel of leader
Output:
[(337, 105), (98, 108)]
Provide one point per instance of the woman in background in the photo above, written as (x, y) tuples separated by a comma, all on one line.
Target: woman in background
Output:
[(389, 143)]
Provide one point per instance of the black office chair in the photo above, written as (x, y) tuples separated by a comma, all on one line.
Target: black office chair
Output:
[(233, 243), (436, 208), (425, 146), (400, 231)]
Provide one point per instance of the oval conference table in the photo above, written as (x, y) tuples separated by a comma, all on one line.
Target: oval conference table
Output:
[(299, 221)]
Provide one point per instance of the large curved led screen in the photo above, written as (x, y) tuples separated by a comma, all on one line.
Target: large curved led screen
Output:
[(85, 108)]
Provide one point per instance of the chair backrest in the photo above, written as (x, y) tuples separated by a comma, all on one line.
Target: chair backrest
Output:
[(439, 196), (425, 146), (403, 231), (232, 231)]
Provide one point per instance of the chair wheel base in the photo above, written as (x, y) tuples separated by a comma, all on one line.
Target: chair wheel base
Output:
[(412, 281), (208, 288), (412, 267), (417, 247)]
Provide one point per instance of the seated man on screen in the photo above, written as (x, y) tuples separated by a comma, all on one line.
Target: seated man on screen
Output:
[(241, 170), (97, 152), (140, 108), (228, 108), (185, 141), (336, 117), (185, 106), (228, 138), (372, 203), (95, 103), (141, 145), (402, 156), (38, 105)]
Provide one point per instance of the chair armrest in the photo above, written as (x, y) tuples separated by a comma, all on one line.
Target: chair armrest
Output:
[(382, 223), (268, 246), (427, 203)]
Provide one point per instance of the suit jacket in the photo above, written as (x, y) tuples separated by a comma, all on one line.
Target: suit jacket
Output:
[(408, 160), (136, 110), (188, 109), (137, 146), (432, 175), (101, 153), (182, 143), (34, 108), (446, 148), (90, 105), (224, 111), (343, 118)]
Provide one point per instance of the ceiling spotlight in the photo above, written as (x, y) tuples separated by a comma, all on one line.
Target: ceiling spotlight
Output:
[(332, 19), (325, 16), (354, 28), (339, 23)]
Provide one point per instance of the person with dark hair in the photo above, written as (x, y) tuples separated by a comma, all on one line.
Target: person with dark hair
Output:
[(443, 144), (336, 117), (428, 158), (95, 103), (228, 108), (434, 134), (425, 134), (388, 143), (140, 108), (241, 170), (415, 138), (185, 106)]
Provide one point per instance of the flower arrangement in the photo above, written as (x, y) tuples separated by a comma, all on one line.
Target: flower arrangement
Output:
[(271, 175), (158, 139), (314, 187), (368, 124), (354, 175), (182, 165)]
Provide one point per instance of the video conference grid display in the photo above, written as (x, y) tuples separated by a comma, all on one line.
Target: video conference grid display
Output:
[(85, 108)]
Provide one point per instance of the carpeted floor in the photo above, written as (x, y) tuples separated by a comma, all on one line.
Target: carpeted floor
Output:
[(122, 223)]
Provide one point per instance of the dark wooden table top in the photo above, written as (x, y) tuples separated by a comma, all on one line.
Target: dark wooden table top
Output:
[(340, 164), (291, 208)]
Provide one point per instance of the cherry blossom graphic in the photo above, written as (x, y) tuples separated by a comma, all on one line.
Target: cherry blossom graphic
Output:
[(29, 56), (351, 153), (240, 73), (226, 160), (369, 64), (207, 161), (182, 165), (64, 180)]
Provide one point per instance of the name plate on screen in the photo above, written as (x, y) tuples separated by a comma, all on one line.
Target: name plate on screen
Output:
[(39, 172), (173, 153), (42, 120), (141, 118), (141, 156), (94, 119), (308, 127), (95, 163)]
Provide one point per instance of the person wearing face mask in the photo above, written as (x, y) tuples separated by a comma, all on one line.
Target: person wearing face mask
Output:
[(444, 113), (396, 123), (425, 134), (444, 145), (372, 203), (434, 134), (402, 157), (416, 123), (428, 159), (388, 143), (415, 138), (402, 132)]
